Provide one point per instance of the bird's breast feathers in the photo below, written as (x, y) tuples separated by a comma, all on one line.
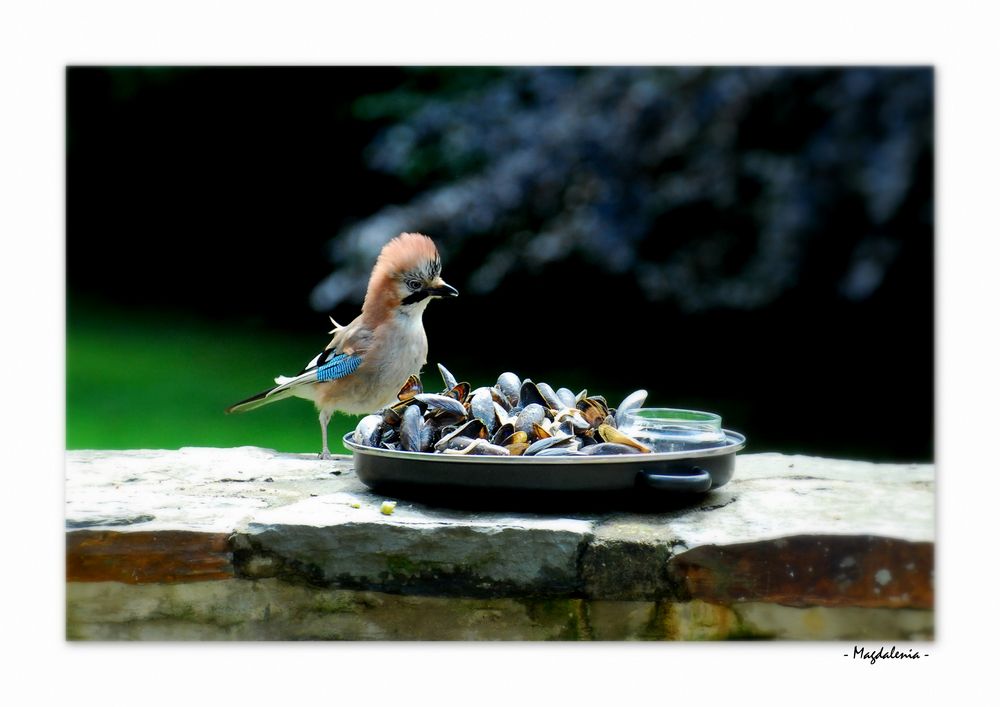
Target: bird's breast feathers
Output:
[(397, 349)]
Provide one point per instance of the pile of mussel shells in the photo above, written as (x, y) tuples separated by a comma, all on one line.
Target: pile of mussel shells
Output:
[(511, 418)]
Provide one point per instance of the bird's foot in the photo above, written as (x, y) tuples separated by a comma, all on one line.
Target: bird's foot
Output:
[(325, 455)]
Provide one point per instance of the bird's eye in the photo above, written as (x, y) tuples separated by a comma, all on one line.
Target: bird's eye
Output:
[(413, 285)]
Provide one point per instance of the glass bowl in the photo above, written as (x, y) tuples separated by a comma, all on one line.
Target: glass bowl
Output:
[(673, 430)]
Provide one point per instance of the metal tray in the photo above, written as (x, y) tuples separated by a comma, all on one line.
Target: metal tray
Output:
[(685, 473)]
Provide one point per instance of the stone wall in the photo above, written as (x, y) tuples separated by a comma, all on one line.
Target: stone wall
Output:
[(250, 544)]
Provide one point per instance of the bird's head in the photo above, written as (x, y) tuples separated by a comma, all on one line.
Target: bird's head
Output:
[(406, 276)]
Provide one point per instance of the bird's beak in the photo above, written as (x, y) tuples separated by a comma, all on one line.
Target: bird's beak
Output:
[(442, 290)]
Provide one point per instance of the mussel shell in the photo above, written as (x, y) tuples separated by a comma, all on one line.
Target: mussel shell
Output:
[(503, 416), (531, 415), (503, 432), (516, 450), (500, 399), (480, 446), (610, 434), (389, 434), (369, 431), (510, 385), (410, 388), (633, 401), (566, 397), (600, 400), (442, 403), (568, 442), (530, 394), (573, 416), (460, 391), (551, 400), (565, 427), (392, 417), (393, 414), (482, 408), (449, 380), (427, 435), (539, 432), (516, 438), (473, 429), (592, 411), (452, 442), (411, 430)]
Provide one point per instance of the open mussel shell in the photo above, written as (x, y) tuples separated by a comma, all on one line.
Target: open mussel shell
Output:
[(391, 416), (503, 416), (565, 427), (550, 442), (573, 417), (539, 432), (503, 433), (500, 399), (441, 403), (410, 388), (610, 434), (474, 429), (530, 395), (634, 401), (449, 380), (549, 396), (516, 438), (460, 391), (592, 411)]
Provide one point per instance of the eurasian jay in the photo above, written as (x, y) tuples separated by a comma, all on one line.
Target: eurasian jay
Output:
[(369, 360)]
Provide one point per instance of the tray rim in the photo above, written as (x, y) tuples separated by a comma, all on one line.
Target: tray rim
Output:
[(735, 443)]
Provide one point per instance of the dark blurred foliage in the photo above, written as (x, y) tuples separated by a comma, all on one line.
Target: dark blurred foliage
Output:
[(754, 241), (712, 188)]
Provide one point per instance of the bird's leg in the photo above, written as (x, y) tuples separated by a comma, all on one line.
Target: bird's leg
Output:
[(324, 420)]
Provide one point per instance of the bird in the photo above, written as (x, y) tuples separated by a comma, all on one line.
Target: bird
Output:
[(367, 362)]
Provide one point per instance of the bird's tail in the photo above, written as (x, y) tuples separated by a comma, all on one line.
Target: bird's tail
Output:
[(265, 397)]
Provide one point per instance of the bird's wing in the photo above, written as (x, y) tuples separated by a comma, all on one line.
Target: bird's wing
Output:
[(340, 358)]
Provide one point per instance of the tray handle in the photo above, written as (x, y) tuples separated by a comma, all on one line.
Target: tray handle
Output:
[(696, 482)]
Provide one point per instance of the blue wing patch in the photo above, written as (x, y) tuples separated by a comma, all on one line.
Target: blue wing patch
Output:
[(337, 367)]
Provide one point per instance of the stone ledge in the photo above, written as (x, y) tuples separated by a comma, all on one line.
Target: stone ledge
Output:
[(787, 530), (270, 609)]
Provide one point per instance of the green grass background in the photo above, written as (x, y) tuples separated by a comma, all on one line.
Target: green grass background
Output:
[(164, 382)]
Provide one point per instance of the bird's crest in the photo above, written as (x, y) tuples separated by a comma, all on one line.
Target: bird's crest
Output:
[(405, 252)]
